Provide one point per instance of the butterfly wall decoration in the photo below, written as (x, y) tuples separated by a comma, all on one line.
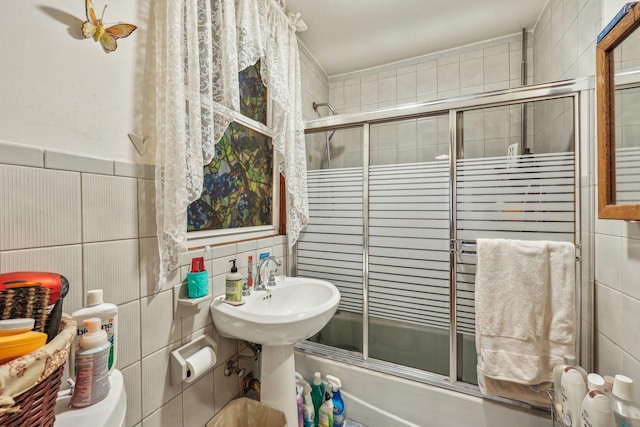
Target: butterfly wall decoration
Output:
[(107, 36)]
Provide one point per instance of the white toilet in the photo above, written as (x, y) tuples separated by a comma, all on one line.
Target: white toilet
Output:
[(109, 412)]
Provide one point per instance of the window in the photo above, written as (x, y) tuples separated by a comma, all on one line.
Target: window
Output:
[(239, 191)]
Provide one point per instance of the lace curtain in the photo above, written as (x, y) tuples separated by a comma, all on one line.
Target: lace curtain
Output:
[(201, 45)]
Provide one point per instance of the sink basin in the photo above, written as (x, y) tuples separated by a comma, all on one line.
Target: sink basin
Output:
[(293, 310)]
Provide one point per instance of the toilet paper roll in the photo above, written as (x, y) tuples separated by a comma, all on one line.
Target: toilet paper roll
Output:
[(203, 360)]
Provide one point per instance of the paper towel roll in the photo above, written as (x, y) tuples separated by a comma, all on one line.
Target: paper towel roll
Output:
[(203, 360)]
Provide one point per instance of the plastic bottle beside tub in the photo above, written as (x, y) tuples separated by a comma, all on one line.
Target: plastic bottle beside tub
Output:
[(92, 376), (108, 315)]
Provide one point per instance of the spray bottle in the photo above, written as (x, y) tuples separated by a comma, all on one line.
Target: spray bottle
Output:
[(317, 395), (308, 412), (325, 418), (338, 403)]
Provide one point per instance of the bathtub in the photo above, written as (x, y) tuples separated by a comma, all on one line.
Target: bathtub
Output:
[(380, 400), (416, 346), (377, 399)]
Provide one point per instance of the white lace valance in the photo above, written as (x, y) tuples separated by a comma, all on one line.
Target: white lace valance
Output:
[(201, 45)]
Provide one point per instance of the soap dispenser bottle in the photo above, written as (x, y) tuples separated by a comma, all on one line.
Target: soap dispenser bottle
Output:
[(233, 286), (92, 375), (338, 403)]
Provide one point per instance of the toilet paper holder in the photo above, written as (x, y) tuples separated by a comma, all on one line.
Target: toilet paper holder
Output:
[(179, 369)]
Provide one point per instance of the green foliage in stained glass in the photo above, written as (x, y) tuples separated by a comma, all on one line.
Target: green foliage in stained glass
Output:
[(253, 94), (238, 189)]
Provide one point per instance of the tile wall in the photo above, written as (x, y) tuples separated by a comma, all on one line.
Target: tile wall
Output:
[(93, 221), (564, 48), (480, 67)]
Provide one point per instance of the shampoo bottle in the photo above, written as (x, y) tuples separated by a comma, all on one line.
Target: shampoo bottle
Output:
[(596, 408), (625, 411), (92, 375), (317, 395), (568, 360), (233, 285), (108, 314), (325, 418), (573, 390), (338, 403)]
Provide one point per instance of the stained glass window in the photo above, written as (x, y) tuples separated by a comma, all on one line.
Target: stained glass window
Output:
[(238, 183), (253, 94)]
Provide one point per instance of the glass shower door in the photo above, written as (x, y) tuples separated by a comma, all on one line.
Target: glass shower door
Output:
[(408, 259), (331, 246), (515, 179)]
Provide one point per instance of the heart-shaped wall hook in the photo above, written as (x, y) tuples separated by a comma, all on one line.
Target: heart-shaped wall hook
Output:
[(139, 142)]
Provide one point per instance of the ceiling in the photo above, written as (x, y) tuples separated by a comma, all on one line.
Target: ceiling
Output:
[(351, 35)]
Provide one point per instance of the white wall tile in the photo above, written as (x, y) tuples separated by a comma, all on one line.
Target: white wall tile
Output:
[(609, 356), (146, 208), (159, 329), (113, 267), (226, 388), (631, 368), (427, 80), (570, 46), (73, 162), (471, 72), (496, 68), (369, 93), (156, 381), (608, 260), (608, 315), (196, 322), (149, 262), (109, 208), (134, 170), (630, 325), (40, 207), (65, 260), (448, 77), (21, 155), (630, 268), (198, 401), (351, 96), (406, 85), (128, 334), (387, 90), (132, 384), (169, 415)]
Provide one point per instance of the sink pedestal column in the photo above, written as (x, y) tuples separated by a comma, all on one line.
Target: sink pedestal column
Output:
[(277, 380)]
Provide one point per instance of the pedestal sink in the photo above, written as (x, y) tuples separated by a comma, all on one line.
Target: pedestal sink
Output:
[(295, 309)]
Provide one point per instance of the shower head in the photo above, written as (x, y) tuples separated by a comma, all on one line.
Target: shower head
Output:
[(324, 104)]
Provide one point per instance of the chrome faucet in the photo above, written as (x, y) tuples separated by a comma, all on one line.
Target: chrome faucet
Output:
[(272, 280)]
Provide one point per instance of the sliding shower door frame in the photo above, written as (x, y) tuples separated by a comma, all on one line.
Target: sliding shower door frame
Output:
[(580, 90)]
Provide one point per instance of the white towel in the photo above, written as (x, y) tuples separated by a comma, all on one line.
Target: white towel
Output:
[(525, 314)]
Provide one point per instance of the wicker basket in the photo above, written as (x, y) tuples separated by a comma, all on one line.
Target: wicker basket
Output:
[(29, 384)]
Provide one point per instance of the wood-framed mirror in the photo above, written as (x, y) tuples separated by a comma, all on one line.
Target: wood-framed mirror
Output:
[(618, 116)]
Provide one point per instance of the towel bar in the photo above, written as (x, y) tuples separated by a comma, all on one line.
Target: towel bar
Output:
[(461, 247)]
